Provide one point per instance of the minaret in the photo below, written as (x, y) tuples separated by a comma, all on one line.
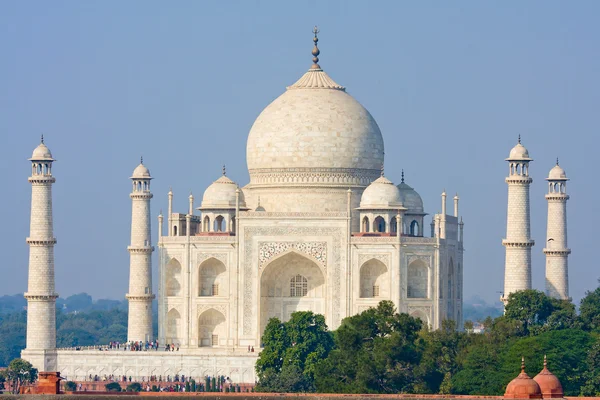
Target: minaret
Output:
[(518, 242), (40, 295), (140, 258), (557, 251)]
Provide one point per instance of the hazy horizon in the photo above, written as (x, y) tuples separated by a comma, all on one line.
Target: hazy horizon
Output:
[(450, 85)]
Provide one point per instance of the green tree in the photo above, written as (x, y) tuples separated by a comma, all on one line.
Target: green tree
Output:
[(589, 310), (20, 372), (567, 351), (70, 386), (529, 307), (376, 352), (113, 387), (302, 342), (134, 387), (591, 376), (439, 361)]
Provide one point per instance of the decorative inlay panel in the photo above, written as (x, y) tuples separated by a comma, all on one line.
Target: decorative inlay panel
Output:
[(426, 258), (384, 258), (205, 256), (251, 274), (222, 308), (316, 250)]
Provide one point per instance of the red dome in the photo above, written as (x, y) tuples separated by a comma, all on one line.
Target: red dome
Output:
[(549, 383), (523, 387)]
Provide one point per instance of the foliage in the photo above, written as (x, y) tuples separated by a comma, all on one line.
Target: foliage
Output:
[(19, 372), (530, 307), (12, 336), (589, 310), (440, 356), (134, 387), (113, 387), (376, 352), (294, 349), (70, 386)]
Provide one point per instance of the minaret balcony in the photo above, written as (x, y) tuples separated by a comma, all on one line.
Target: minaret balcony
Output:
[(41, 242), (557, 252), (518, 243), (140, 249)]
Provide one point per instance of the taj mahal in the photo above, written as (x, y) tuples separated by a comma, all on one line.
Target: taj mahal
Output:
[(320, 227)]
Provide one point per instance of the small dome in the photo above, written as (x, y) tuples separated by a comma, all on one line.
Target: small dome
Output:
[(221, 194), (549, 384), (519, 153), (557, 174), (41, 153), (523, 387), (141, 172), (381, 193), (411, 200)]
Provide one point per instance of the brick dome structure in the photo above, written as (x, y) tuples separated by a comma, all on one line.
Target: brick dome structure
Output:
[(549, 384), (523, 387)]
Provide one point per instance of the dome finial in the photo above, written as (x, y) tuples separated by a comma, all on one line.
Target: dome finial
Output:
[(224, 170), (315, 51), (545, 361), (42, 138), (522, 364), (259, 201), (519, 138), (141, 159), (402, 179), (382, 169), (556, 164)]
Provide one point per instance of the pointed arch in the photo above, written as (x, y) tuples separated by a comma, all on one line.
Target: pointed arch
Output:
[(291, 282), (419, 314), (417, 280), (365, 224), (379, 224), (212, 330), (373, 279), (219, 224), (414, 228), (173, 278), (212, 278), (173, 326)]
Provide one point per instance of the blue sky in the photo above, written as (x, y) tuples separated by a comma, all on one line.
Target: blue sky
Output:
[(451, 84)]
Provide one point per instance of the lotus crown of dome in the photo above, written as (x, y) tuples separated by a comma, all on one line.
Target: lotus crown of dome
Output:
[(314, 134)]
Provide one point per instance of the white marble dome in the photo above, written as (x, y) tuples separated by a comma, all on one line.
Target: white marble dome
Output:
[(315, 127), (141, 172), (221, 194), (411, 200), (382, 193), (557, 173), (41, 153), (519, 153)]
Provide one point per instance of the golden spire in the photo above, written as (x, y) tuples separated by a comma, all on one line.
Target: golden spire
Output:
[(522, 364), (315, 51)]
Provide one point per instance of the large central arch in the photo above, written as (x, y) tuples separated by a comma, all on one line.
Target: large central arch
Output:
[(291, 283)]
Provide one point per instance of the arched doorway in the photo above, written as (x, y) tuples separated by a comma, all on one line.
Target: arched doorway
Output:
[(288, 284), (173, 334), (373, 280), (173, 278), (212, 329), (212, 278)]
